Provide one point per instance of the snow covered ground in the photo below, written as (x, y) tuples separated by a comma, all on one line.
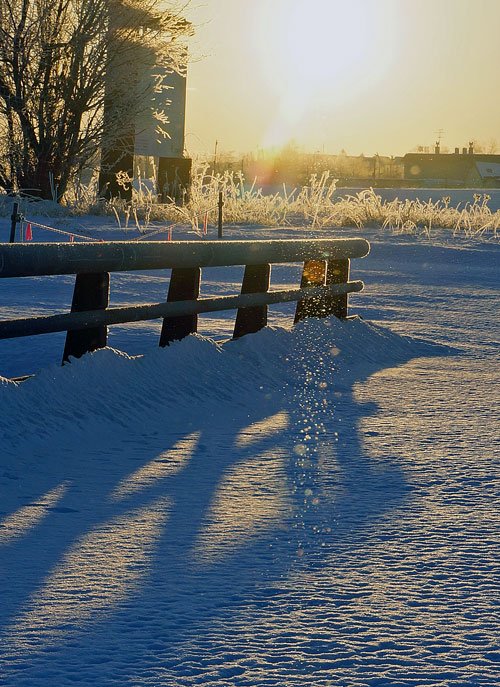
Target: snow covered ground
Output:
[(308, 506)]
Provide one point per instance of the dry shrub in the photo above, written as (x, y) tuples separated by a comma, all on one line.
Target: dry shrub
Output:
[(314, 206)]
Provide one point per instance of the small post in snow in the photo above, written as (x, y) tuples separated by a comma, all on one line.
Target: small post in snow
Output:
[(184, 286), (14, 219), (220, 205), (91, 293), (256, 279), (337, 273)]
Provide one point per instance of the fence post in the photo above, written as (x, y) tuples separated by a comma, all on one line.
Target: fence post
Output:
[(337, 273), (256, 279), (313, 274), (14, 219), (91, 293), (220, 206), (184, 286)]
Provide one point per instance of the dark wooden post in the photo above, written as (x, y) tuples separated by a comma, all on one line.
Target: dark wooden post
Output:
[(313, 274), (184, 286), (337, 273), (14, 219), (219, 223), (91, 293), (256, 279)]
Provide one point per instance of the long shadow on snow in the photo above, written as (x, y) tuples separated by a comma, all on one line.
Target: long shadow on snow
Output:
[(329, 485)]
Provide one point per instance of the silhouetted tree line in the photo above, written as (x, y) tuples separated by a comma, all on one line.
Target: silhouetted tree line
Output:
[(290, 165)]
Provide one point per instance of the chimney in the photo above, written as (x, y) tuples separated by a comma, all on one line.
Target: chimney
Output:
[(437, 149), (457, 151), (464, 151), (471, 147)]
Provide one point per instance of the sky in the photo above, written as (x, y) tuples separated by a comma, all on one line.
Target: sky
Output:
[(366, 76)]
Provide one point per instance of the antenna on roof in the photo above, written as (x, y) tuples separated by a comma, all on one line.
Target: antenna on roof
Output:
[(439, 133), (437, 148)]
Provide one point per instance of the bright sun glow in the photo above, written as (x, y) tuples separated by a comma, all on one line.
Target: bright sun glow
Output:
[(318, 52), (312, 47)]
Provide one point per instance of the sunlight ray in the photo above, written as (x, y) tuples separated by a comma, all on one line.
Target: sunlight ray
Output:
[(19, 523), (164, 465), (262, 429), (250, 500), (101, 569)]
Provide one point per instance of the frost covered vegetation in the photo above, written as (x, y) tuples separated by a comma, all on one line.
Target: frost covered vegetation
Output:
[(316, 206)]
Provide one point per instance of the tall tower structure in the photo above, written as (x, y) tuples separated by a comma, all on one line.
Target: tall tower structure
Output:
[(137, 94)]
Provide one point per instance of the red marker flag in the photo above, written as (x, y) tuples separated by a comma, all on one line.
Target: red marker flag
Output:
[(29, 233)]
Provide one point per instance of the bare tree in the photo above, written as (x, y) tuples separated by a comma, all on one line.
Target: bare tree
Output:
[(55, 56), (489, 147)]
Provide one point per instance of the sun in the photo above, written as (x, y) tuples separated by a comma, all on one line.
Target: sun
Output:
[(316, 40), (313, 52)]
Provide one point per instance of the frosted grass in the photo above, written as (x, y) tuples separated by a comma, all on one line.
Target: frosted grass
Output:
[(315, 206)]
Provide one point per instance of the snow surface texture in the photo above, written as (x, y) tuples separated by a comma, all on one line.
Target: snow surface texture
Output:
[(313, 506)]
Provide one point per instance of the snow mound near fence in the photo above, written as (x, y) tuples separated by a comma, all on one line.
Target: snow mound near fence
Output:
[(109, 387)]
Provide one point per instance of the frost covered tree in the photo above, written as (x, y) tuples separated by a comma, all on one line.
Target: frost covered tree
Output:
[(56, 57)]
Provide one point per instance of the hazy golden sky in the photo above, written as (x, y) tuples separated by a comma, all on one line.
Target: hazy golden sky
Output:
[(364, 75)]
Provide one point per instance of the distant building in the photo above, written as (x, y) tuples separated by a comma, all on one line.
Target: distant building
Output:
[(459, 169), (294, 167)]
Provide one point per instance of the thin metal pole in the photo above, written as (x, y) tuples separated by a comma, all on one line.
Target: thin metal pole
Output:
[(221, 204), (14, 218)]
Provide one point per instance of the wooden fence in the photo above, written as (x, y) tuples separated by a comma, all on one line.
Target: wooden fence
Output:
[(323, 290)]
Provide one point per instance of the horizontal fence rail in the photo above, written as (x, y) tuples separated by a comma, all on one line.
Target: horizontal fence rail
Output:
[(43, 259), (32, 326), (323, 291)]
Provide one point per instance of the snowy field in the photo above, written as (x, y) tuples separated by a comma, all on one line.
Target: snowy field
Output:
[(315, 506)]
